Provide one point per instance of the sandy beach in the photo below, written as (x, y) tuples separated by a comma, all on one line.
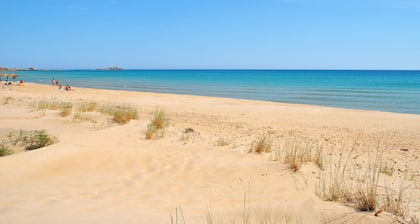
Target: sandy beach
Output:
[(99, 171)]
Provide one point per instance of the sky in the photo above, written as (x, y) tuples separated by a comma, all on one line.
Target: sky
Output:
[(210, 34)]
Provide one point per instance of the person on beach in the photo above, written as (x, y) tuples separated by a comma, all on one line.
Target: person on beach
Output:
[(60, 87), (68, 88), (53, 82)]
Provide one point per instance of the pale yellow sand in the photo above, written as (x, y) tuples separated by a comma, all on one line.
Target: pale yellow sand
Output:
[(109, 173)]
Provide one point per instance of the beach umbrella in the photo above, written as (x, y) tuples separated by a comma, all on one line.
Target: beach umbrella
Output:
[(6, 75)]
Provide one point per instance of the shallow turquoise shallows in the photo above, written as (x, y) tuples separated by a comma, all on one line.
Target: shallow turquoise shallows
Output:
[(393, 91)]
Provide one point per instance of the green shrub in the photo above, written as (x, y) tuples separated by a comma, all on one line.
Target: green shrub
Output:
[(4, 151)]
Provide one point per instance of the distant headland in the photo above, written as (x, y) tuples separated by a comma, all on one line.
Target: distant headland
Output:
[(17, 69), (111, 68)]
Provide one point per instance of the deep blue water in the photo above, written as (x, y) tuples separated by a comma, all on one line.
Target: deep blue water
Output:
[(393, 91)]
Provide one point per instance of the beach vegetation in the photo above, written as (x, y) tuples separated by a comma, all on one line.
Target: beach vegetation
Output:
[(30, 140), (386, 168), (88, 106), (7, 99), (66, 109), (358, 186), (188, 130), (262, 145), (222, 141), (160, 119), (5, 151), (157, 125), (121, 114), (297, 152), (80, 116)]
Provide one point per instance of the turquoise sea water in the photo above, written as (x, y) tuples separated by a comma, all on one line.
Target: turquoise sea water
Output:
[(393, 91)]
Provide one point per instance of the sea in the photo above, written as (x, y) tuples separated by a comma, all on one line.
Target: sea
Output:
[(381, 90)]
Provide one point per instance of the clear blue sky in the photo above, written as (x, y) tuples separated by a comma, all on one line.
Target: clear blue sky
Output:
[(164, 34)]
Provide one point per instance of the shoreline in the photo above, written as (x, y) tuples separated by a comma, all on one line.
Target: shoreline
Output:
[(86, 89), (389, 91)]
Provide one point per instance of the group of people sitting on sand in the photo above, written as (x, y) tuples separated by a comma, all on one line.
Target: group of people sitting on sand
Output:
[(7, 82), (55, 82)]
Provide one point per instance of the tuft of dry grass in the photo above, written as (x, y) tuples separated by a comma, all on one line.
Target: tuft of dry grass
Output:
[(79, 116), (157, 125), (89, 106), (66, 109), (7, 99), (222, 141), (359, 186), (121, 114), (262, 145), (297, 152), (386, 168), (160, 119)]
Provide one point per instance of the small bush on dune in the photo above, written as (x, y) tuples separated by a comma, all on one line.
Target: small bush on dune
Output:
[(38, 139), (4, 151), (29, 140)]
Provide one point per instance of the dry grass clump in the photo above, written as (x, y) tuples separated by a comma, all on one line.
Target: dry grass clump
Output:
[(157, 125), (222, 141), (262, 145), (87, 106), (386, 168), (188, 133), (79, 116), (297, 152), (332, 185), (121, 114), (7, 99), (394, 203), (359, 186), (65, 108)]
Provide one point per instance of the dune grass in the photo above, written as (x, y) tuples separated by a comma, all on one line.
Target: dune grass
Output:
[(359, 187), (262, 145), (7, 99), (157, 125), (297, 152), (88, 106), (223, 141), (65, 108), (121, 114)]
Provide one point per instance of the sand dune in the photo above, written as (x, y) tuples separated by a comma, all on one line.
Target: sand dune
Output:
[(107, 173)]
